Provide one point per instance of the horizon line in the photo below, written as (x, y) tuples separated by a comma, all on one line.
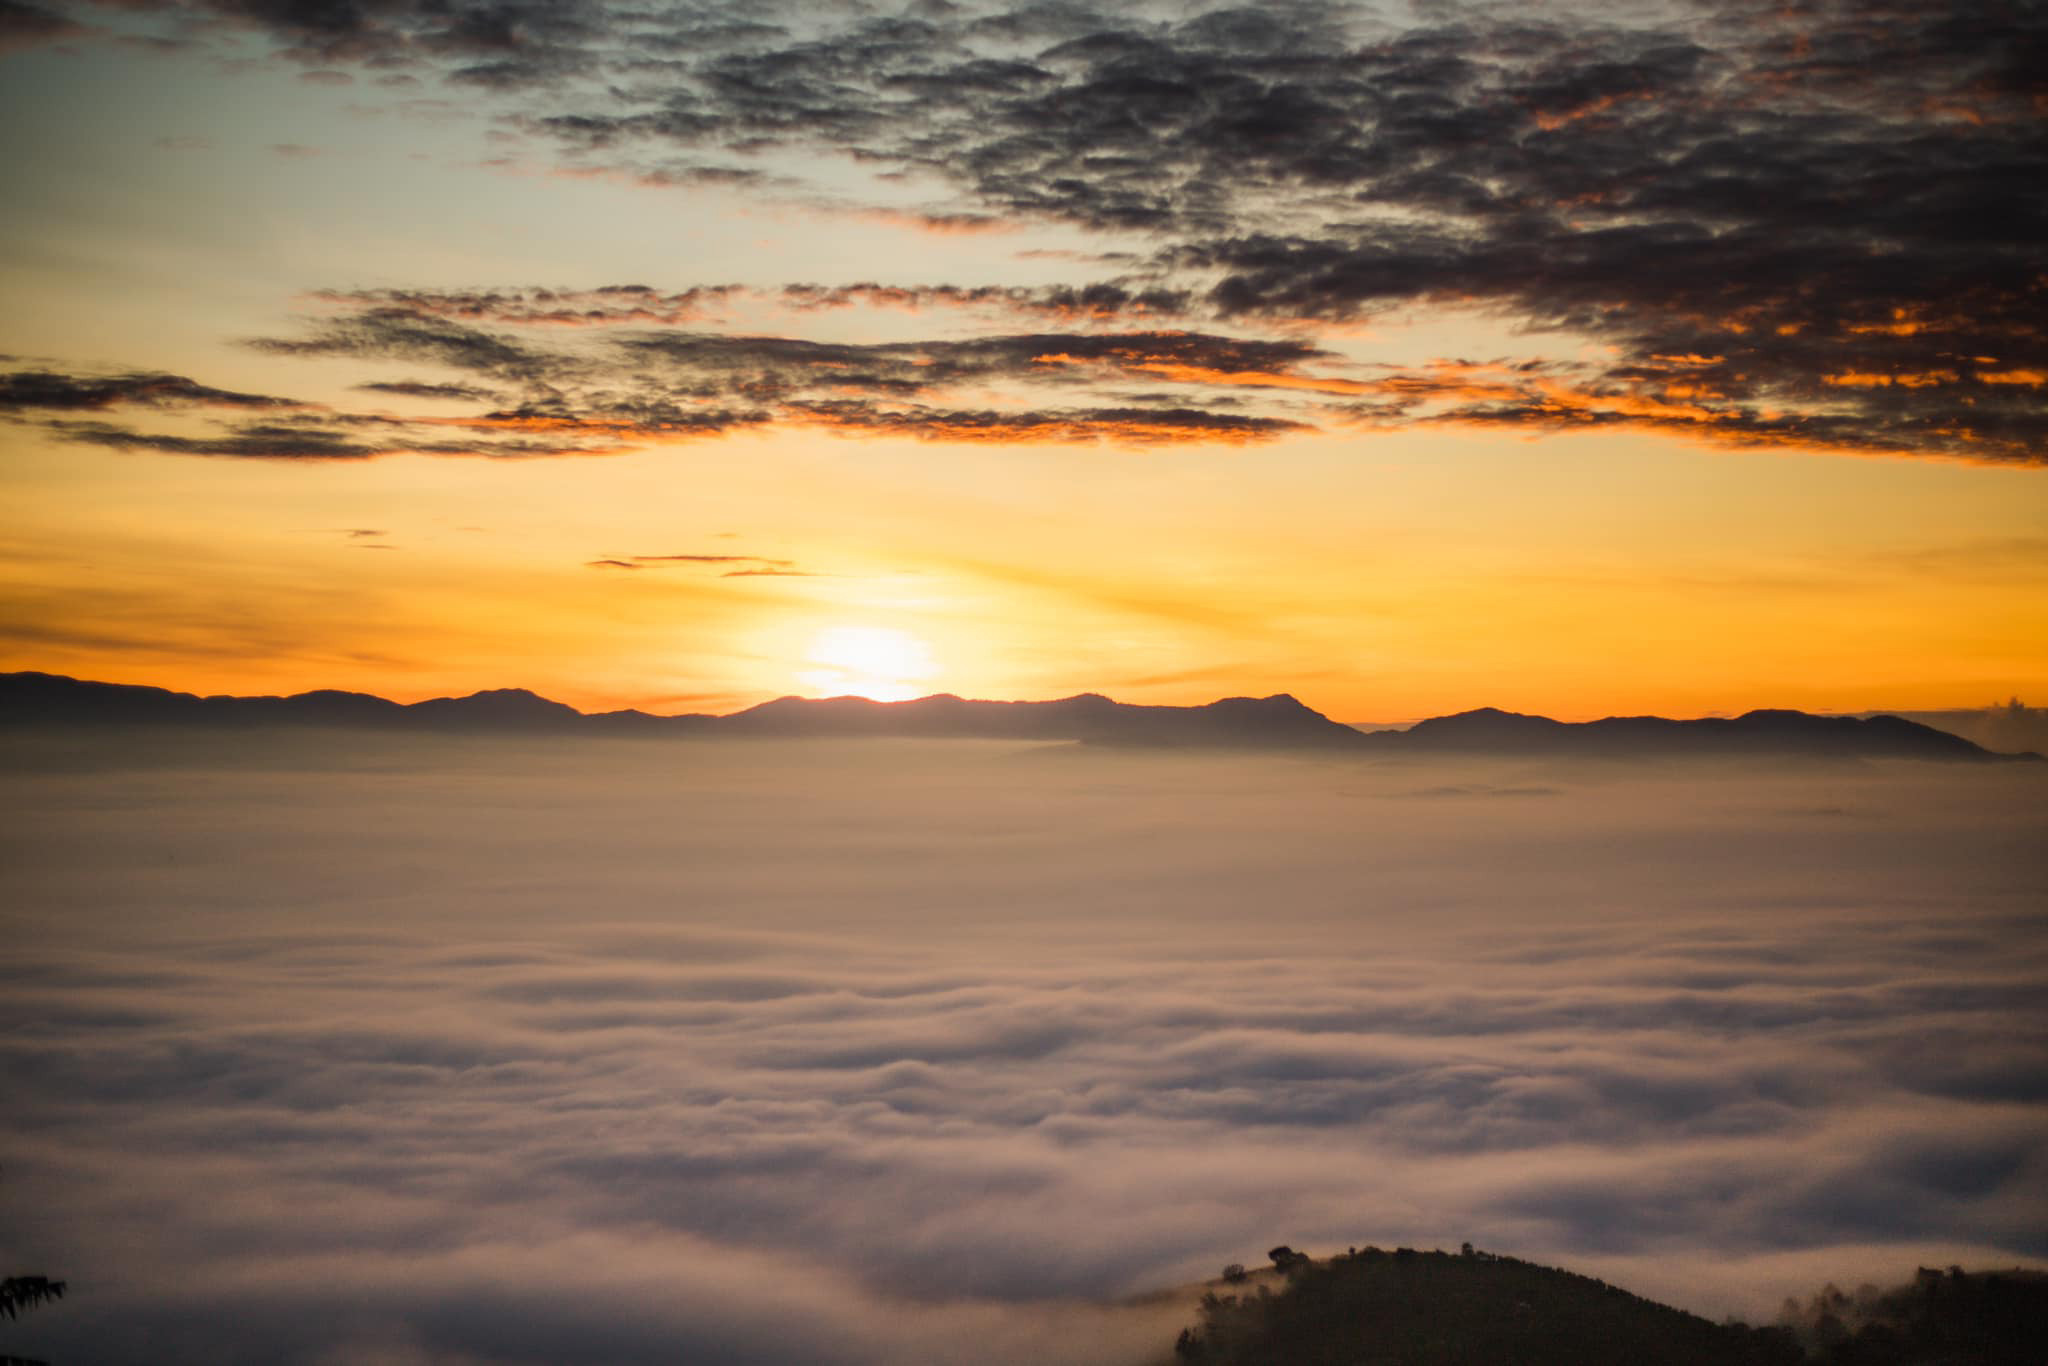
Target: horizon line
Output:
[(2014, 704)]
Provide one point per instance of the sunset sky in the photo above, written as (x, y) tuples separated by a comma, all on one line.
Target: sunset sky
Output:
[(1573, 359)]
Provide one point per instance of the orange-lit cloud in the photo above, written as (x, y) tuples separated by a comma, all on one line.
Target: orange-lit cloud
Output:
[(1117, 426)]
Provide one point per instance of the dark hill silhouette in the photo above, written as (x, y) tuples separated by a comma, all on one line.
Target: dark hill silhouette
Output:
[(1265, 722), (1277, 722), (1774, 732), (2008, 727), (635, 722), (495, 709), (1467, 1309), (1365, 1308)]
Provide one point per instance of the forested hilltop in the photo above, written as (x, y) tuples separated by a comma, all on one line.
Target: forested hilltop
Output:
[(1368, 1307)]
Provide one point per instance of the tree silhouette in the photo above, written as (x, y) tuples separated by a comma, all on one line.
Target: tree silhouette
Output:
[(25, 1292), (18, 1293)]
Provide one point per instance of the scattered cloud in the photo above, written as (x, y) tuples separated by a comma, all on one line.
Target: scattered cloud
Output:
[(312, 439), (422, 389), (26, 390), (1118, 426), (1813, 226), (255, 441), (733, 566), (610, 305), (631, 385), (1102, 301)]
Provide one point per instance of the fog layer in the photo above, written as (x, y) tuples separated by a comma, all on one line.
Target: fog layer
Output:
[(437, 1050)]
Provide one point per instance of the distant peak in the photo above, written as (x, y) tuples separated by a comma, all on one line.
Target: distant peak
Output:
[(1490, 715), (496, 702), (1277, 701), (785, 702)]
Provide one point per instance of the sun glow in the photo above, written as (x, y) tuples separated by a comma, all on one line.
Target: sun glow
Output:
[(868, 661)]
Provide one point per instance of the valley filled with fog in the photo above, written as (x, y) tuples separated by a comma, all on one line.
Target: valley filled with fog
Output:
[(367, 1048)]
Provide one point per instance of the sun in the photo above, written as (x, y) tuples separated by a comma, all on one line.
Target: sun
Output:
[(868, 661)]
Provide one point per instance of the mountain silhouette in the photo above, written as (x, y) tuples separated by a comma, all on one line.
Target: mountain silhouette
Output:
[(1774, 732), (1278, 722), (1366, 1307)]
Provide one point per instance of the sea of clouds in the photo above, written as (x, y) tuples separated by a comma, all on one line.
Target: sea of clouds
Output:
[(341, 1050)]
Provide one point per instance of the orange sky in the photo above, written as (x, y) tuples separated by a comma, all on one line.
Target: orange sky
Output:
[(1389, 511)]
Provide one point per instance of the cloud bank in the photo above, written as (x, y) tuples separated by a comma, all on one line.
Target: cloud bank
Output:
[(881, 1053), (1813, 225)]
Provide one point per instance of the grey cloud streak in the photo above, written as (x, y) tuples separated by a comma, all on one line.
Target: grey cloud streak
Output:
[(728, 566), (606, 386), (846, 1054), (44, 390)]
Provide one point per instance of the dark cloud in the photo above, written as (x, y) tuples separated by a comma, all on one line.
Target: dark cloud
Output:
[(686, 173), (25, 390), (707, 559), (1101, 300), (24, 25), (394, 333), (632, 386), (469, 39), (256, 442), (1120, 426), (735, 566), (341, 436), (766, 367), (1837, 206), (1810, 225), (616, 420), (637, 383), (423, 389), (607, 306)]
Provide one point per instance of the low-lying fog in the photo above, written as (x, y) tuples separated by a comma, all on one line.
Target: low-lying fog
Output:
[(392, 1050)]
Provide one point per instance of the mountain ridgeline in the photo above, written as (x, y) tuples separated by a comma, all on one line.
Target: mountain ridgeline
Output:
[(1279, 723)]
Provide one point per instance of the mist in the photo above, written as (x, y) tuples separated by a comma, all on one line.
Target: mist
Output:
[(392, 1049)]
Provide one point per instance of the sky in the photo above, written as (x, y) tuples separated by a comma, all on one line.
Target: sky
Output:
[(1579, 359), (412, 1050)]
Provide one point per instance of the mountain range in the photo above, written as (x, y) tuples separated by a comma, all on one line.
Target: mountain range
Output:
[(1277, 722)]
